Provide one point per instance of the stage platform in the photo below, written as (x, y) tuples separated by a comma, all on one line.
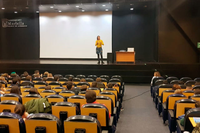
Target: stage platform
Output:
[(141, 72)]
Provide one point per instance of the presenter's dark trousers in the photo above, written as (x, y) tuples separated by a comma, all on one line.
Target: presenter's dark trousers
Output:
[(99, 54)]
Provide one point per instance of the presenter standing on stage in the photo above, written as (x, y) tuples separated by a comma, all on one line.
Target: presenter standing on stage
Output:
[(99, 50)]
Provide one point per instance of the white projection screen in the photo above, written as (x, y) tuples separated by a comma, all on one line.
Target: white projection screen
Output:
[(73, 35)]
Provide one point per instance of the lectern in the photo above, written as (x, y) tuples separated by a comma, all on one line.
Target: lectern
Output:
[(125, 57)]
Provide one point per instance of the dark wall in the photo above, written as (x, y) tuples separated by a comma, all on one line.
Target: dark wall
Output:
[(136, 29), (20, 43), (179, 24)]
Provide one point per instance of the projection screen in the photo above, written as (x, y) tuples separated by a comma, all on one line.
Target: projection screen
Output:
[(73, 35)]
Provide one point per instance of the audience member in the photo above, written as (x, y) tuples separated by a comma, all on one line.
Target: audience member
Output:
[(20, 110), (48, 87), (155, 75), (56, 78), (178, 91), (13, 74), (33, 91), (70, 79), (46, 74), (82, 80), (36, 75), (94, 84), (69, 85), (50, 75), (25, 74), (197, 91), (15, 82), (83, 87), (15, 89), (3, 79), (99, 83), (29, 78), (176, 86), (189, 87)]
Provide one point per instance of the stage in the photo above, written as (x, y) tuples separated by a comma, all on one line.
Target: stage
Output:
[(141, 72)]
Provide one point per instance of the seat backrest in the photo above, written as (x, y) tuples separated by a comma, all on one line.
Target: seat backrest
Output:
[(36, 80), (97, 90), (92, 76), (117, 77), (76, 80), (26, 88), (177, 82), (55, 98), (63, 110), (11, 123), (185, 79), (169, 79), (66, 93), (54, 84), (8, 106), (190, 83), (86, 124), (182, 106), (197, 79), (26, 92), (105, 77), (188, 93), (69, 75), (89, 80), (58, 89), (113, 91), (58, 75), (47, 93), (196, 87), (63, 80), (78, 100), (107, 101), (83, 83), (118, 81), (196, 97), (99, 111), (27, 83), (80, 76), (49, 80), (4, 84), (29, 97), (155, 79), (171, 99), (165, 94), (11, 96), (160, 82), (164, 87), (82, 93), (111, 95), (40, 84), (43, 121)]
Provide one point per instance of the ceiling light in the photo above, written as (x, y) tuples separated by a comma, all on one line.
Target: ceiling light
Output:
[(131, 8), (131, 4), (59, 11), (3, 8), (51, 6), (106, 10), (15, 11), (83, 10), (37, 12), (77, 6), (103, 5)]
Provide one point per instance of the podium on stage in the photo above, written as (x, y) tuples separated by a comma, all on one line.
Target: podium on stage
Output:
[(125, 57)]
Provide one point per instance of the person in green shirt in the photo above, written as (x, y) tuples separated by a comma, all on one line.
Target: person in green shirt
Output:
[(99, 49)]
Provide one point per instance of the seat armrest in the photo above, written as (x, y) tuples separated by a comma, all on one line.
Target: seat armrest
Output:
[(171, 113), (179, 125), (117, 104), (159, 101), (164, 106), (114, 111), (156, 93), (111, 121), (121, 92), (104, 131)]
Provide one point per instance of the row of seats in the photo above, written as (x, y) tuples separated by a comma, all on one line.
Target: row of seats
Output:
[(171, 105)]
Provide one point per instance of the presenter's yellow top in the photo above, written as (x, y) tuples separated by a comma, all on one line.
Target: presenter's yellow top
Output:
[(99, 43)]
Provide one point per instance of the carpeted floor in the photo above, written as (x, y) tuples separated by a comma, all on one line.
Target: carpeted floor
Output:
[(140, 114)]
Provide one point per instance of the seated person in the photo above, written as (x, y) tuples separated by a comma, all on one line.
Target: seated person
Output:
[(56, 78), (15, 81), (178, 91), (36, 76), (90, 96), (94, 84), (13, 74), (15, 89), (155, 75), (48, 87), (83, 87), (50, 75), (70, 79), (182, 117), (109, 85), (99, 83), (69, 85), (44, 79), (3, 79), (29, 78), (197, 91), (82, 80), (189, 87), (20, 110), (176, 86), (46, 74), (2, 89), (33, 91)]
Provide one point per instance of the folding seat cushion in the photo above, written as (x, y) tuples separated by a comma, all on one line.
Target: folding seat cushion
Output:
[(82, 124), (43, 123), (11, 123)]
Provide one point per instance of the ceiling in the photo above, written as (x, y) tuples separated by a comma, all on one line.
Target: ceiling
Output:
[(70, 5)]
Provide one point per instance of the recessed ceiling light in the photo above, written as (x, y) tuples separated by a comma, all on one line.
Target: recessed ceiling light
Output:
[(3, 8), (106, 10), (77, 6), (37, 12), (59, 11), (83, 10), (15, 11), (51, 6), (131, 4), (103, 5), (131, 8)]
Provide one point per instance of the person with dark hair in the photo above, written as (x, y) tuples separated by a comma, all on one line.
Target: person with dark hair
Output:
[(70, 79), (197, 91), (36, 75), (99, 43), (94, 84), (20, 110), (25, 74), (15, 89), (44, 79), (176, 86), (13, 74), (83, 87), (33, 91), (110, 85), (48, 87), (189, 87), (69, 85), (15, 81), (99, 83), (37, 72), (29, 78), (56, 78)]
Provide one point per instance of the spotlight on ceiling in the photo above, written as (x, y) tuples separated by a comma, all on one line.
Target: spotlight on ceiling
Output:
[(106, 10), (131, 8), (3, 8), (103, 5), (15, 11), (59, 11), (51, 6), (77, 6)]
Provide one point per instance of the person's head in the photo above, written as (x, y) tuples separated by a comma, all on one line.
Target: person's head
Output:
[(84, 87), (197, 104), (94, 84), (25, 74), (36, 75), (110, 85), (48, 87), (5, 75), (197, 91), (37, 72), (50, 75), (33, 91), (46, 73), (98, 79), (197, 83), (82, 80), (176, 86), (189, 87), (2, 78), (29, 78), (56, 78), (98, 37), (19, 109), (15, 81), (90, 96), (15, 90), (70, 79), (69, 85), (178, 91), (157, 74), (44, 79)]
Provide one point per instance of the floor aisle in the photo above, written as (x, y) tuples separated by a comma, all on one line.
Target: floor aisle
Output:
[(139, 115)]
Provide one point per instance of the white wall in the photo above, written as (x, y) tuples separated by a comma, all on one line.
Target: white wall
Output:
[(73, 35)]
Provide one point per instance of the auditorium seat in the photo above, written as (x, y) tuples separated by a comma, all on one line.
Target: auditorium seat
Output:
[(116, 80), (196, 87), (40, 84), (30, 97), (11, 96), (8, 105), (82, 93), (47, 93), (171, 99), (195, 112), (23, 88), (7, 91), (117, 77), (26, 83), (69, 75), (113, 91), (105, 77), (58, 89), (180, 108), (107, 101), (188, 93), (89, 80), (42, 88), (55, 98), (63, 110), (105, 81), (83, 83), (25, 92), (11, 123), (101, 113), (169, 79), (63, 80), (23, 79), (35, 80), (111, 95), (9, 83), (185, 79), (4, 84), (196, 97), (54, 84), (77, 99), (197, 79), (82, 124), (97, 90), (80, 76), (177, 82), (92, 76), (76, 80), (190, 83), (43, 123), (49, 80), (58, 75), (66, 93)]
